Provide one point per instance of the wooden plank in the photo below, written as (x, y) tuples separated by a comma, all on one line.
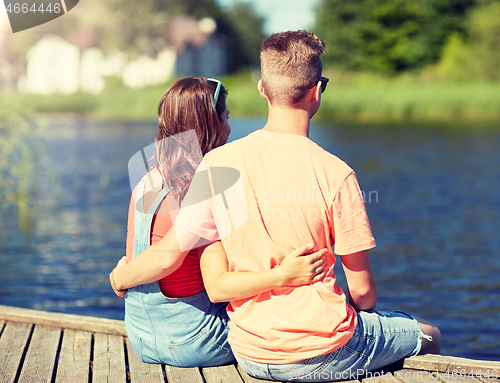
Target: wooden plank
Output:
[(414, 376), (489, 380), (221, 374), (109, 359), (247, 378), (76, 322), (12, 345), (41, 357), (380, 377), (449, 363), (183, 375), (457, 377), (74, 358), (142, 372)]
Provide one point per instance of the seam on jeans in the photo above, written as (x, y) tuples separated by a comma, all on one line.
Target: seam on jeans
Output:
[(181, 299), (220, 347), (307, 362), (140, 342), (188, 341), (322, 366), (364, 336), (249, 364), (201, 333), (153, 330), (373, 337), (355, 352)]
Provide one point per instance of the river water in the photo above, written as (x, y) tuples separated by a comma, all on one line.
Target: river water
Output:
[(432, 196)]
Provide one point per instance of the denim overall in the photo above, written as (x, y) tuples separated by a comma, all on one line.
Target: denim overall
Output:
[(184, 332)]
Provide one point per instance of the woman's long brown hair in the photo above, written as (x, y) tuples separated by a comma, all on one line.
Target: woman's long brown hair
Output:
[(188, 104)]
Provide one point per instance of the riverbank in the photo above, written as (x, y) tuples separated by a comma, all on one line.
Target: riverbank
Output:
[(352, 98)]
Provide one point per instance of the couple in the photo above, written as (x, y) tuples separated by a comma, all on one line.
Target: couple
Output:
[(286, 318)]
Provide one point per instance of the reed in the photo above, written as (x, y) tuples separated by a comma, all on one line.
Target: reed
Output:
[(357, 98), (369, 99), (19, 155)]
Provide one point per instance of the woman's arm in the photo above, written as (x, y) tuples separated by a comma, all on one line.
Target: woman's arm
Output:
[(154, 263), (222, 285)]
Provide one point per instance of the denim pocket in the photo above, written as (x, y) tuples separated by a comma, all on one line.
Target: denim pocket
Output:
[(202, 349), (136, 343)]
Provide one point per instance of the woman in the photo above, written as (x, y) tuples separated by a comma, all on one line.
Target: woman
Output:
[(172, 320)]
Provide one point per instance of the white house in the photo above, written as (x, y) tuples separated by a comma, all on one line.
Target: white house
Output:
[(55, 65)]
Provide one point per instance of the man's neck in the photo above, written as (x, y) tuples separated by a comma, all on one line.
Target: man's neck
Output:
[(288, 120)]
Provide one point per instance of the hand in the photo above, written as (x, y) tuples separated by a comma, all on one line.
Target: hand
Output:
[(299, 269), (121, 262)]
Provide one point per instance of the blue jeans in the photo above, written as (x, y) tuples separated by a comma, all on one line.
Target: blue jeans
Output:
[(185, 332), (380, 338)]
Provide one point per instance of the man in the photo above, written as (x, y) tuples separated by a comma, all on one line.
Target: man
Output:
[(298, 193)]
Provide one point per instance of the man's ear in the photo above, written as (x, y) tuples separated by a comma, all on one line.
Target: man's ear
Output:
[(317, 92), (262, 91)]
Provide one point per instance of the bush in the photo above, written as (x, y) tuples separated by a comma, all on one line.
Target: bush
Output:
[(478, 57)]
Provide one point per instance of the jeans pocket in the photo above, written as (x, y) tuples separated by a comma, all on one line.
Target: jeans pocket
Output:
[(202, 350), (136, 343)]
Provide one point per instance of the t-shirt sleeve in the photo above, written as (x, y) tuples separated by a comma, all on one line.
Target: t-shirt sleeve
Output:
[(195, 224), (351, 230)]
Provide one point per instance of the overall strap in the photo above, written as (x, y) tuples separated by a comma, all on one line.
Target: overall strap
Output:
[(143, 221)]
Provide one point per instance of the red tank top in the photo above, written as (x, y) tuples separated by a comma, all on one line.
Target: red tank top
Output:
[(186, 280)]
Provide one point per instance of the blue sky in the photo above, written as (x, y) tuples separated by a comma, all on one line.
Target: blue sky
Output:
[(281, 15)]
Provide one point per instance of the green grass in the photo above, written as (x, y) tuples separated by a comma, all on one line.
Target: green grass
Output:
[(371, 99), (358, 98)]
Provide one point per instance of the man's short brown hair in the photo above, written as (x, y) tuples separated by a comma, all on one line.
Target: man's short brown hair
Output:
[(290, 62)]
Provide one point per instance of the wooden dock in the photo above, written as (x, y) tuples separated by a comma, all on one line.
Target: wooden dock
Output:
[(38, 346)]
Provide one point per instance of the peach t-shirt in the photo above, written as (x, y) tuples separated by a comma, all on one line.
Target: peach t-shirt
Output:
[(296, 193)]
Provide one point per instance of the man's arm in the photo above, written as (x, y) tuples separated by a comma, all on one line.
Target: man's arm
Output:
[(361, 285), (223, 285)]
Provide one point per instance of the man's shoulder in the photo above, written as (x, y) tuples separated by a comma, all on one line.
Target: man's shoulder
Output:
[(230, 147), (330, 160)]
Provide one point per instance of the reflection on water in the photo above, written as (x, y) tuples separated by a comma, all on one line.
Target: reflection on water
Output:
[(432, 198)]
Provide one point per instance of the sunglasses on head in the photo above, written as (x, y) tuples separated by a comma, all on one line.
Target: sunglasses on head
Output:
[(324, 81), (217, 90)]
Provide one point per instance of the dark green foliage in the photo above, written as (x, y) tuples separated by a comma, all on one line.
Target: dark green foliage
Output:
[(248, 27), (388, 36), (475, 55)]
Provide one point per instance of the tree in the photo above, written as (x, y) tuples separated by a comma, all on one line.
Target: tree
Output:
[(387, 36), (476, 54), (248, 27)]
